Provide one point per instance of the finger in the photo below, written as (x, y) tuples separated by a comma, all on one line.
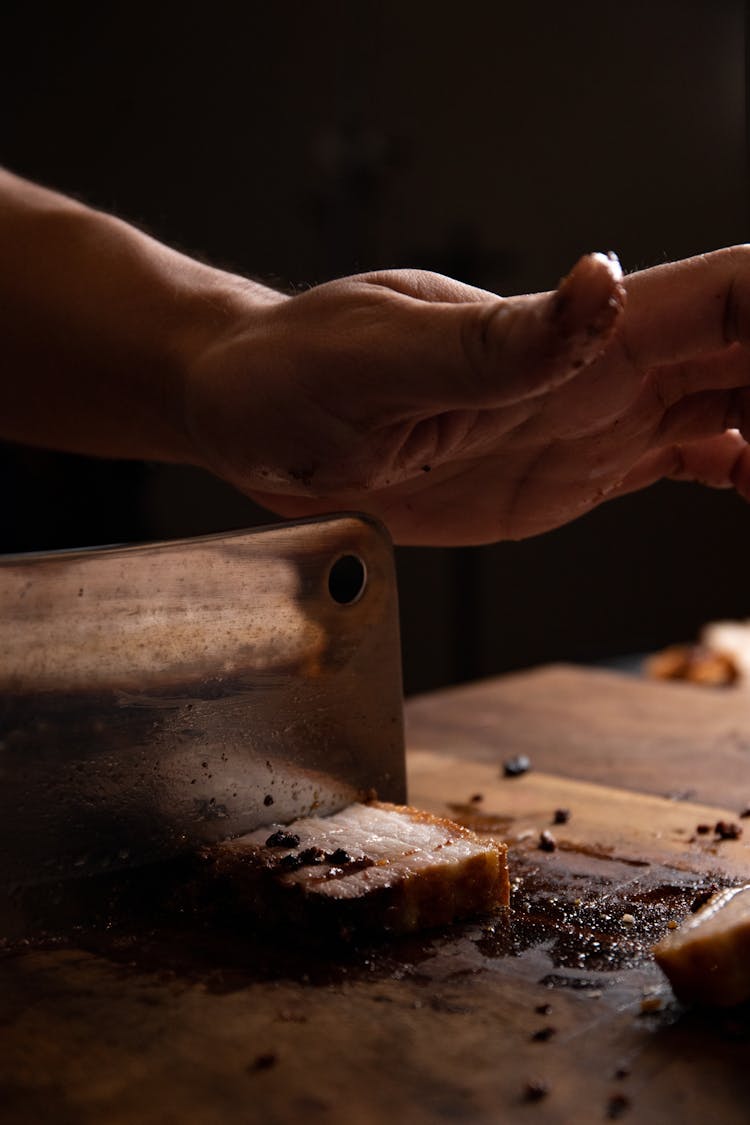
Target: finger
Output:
[(697, 416), (688, 308), (719, 462), (719, 370), (651, 406), (525, 346), (491, 353), (673, 403)]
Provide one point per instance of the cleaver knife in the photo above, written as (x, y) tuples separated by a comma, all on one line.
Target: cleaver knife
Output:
[(158, 697)]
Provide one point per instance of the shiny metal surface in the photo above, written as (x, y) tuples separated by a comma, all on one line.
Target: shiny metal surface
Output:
[(160, 696)]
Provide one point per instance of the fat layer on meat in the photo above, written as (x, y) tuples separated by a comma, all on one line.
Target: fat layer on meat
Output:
[(368, 867), (708, 958)]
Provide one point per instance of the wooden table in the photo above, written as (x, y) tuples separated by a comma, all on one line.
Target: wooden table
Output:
[(205, 1029)]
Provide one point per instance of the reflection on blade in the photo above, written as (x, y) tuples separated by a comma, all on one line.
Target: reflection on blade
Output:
[(161, 696)]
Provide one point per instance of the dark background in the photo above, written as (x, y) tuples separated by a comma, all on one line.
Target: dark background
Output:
[(490, 140)]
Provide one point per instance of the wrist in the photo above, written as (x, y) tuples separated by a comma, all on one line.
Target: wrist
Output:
[(216, 348)]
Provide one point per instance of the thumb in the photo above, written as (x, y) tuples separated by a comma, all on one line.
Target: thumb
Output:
[(518, 347)]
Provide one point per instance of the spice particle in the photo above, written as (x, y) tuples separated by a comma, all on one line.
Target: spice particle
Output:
[(515, 767)]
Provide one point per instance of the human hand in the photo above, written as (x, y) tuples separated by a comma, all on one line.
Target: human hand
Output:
[(459, 417)]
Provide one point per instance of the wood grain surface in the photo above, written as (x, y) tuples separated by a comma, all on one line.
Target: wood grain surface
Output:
[(181, 1023), (671, 739)]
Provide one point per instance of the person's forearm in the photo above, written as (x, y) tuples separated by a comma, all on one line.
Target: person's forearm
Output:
[(96, 322)]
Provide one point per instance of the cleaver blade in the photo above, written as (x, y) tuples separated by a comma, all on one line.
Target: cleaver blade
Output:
[(158, 697)]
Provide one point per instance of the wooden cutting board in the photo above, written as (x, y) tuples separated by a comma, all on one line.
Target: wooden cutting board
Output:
[(203, 1027)]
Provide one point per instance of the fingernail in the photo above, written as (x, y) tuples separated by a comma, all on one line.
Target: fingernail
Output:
[(588, 300), (610, 260)]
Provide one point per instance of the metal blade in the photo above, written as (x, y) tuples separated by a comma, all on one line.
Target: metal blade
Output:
[(162, 696)]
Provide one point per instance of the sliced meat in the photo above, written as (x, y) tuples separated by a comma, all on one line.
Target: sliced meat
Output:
[(733, 639), (368, 867), (708, 958)]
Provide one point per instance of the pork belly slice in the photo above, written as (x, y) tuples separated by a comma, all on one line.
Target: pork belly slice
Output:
[(367, 868), (707, 960)]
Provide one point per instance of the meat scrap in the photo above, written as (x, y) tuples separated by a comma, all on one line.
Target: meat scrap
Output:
[(535, 1091), (617, 1105), (708, 958), (727, 830), (697, 664), (368, 867)]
